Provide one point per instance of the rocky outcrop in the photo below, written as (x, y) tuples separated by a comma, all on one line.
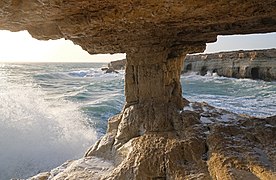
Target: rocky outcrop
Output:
[(109, 70), (206, 143), (121, 26), (117, 65), (255, 64), (150, 139), (114, 66)]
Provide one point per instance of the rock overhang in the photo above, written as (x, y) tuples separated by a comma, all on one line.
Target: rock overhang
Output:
[(152, 125), (122, 26)]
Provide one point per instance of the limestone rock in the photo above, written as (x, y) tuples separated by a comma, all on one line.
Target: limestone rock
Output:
[(84, 168), (209, 143), (152, 138), (115, 26), (41, 176), (118, 65), (111, 70), (255, 64)]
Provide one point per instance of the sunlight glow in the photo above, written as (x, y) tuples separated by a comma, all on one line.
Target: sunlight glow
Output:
[(21, 47)]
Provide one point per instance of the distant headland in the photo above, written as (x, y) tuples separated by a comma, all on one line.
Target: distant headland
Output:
[(254, 64)]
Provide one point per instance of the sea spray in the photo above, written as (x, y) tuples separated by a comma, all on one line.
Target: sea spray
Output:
[(50, 113), (37, 134)]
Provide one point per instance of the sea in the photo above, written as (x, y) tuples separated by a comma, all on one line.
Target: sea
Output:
[(53, 112)]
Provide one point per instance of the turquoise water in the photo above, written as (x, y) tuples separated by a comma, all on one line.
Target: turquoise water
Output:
[(50, 113), (242, 96)]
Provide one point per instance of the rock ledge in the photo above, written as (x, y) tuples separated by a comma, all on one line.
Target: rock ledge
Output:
[(254, 64), (208, 143)]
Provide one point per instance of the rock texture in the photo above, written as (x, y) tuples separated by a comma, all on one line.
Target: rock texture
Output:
[(255, 64), (118, 65), (206, 143), (114, 26), (150, 139)]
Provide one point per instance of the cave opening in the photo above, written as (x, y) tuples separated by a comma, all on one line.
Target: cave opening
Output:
[(255, 73), (29, 69), (203, 71), (154, 100), (189, 67), (29, 49)]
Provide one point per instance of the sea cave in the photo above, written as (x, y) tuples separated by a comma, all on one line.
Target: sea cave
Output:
[(159, 134)]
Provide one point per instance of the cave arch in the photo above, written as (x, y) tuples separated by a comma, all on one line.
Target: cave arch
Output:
[(255, 73), (156, 35), (189, 67), (203, 71)]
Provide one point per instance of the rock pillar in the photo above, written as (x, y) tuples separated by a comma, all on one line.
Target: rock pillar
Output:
[(153, 93), (153, 98), (153, 78), (148, 139)]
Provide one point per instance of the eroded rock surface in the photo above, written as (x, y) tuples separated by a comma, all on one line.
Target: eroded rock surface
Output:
[(118, 64), (114, 26), (152, 138), (255, 64), (207, 143)]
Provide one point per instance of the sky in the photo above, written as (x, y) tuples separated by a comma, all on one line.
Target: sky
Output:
[(21, 47), (242, 42)]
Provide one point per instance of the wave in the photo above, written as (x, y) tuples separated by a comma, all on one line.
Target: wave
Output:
[(243, 96), (42, 124), (81, 73), (48, 76), (94, 72), (37, 134), (91, 73)]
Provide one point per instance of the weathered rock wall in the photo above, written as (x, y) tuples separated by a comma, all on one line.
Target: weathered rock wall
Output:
[(117, 65), (149, 139), (255, 64), (121, 26), (206, 143)]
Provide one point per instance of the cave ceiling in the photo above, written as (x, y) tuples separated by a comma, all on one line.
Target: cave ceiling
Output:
[(119, 26)]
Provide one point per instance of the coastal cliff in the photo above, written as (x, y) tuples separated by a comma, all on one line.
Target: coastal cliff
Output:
[(117, 65), (254, 64), (154, 137), (208, 143)]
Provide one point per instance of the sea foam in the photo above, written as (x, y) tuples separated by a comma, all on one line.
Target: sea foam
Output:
[(38, 134)]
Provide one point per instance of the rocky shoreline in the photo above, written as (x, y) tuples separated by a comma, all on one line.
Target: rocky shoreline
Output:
[(208, 143), (115, 66), (253, 64), (153, 137), (200, 142)]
